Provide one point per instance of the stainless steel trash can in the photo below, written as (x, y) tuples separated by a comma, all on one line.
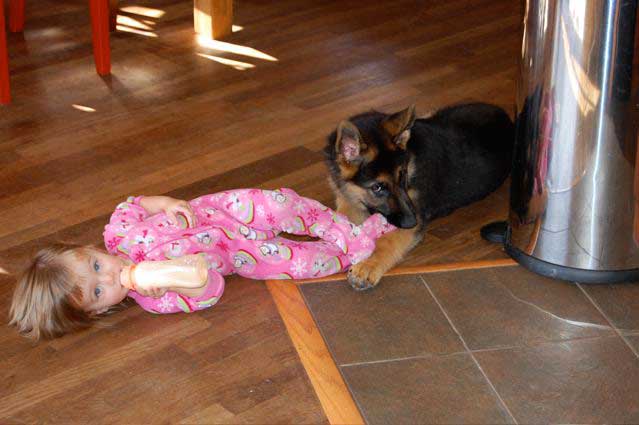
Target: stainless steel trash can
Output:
[(574, 213)]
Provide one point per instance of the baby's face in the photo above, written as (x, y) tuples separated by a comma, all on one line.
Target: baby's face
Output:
[(99, 275)]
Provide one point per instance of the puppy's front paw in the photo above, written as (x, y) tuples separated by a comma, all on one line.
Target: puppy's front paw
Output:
[(364, 275)]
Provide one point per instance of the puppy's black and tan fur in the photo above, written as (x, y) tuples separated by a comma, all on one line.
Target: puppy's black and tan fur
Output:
[(415, 170)]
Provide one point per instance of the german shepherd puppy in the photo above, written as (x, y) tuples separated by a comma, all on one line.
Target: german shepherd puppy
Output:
[(415, 170)]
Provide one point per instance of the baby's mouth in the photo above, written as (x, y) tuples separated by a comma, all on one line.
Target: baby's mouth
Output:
[(125, 263), (119, 275)]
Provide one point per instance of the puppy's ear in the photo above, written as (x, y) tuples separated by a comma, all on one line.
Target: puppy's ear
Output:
[(398, 126), (349, 144)]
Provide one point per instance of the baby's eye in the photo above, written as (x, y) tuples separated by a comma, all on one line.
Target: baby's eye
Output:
[(96, 266), (97, 291)]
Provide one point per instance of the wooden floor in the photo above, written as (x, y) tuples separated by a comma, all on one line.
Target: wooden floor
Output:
[(185, 119)]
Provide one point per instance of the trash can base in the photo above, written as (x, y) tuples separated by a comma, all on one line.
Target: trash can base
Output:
[(556, 271)]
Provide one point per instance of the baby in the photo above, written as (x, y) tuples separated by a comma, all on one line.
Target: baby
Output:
[(67, 286)]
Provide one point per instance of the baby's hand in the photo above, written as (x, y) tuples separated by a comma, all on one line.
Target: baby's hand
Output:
[(153, 292), (175, 207), (171, 207)]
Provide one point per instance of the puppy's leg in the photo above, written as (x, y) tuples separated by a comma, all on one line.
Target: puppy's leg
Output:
[(389, 250)]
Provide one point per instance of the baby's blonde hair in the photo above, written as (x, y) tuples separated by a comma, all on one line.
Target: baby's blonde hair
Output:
[(46, 300)]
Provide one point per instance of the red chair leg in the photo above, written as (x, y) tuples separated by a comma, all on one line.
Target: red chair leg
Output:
[(113, 12), (5, 94), (100, 30), (16, 15)]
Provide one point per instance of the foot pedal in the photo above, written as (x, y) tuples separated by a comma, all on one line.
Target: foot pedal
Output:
[(495, 232)]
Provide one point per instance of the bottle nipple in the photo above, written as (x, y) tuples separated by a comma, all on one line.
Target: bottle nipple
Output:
[(126, 277)]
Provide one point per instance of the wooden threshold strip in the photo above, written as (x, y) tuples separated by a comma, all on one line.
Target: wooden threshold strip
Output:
[(326, 379), (432, 268), (334, 396)]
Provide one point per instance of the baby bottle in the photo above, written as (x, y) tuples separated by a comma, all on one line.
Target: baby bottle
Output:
[(190, 271)]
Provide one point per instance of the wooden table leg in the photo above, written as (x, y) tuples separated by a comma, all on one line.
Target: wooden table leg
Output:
[(213, 18), (100, 31), (5, 94)]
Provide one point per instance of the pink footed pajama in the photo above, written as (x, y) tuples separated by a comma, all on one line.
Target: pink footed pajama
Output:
[(238, 231)]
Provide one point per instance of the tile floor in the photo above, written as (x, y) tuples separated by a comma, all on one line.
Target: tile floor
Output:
[(484, 346)]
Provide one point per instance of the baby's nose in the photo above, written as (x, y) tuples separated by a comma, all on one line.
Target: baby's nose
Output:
[(107, 279)]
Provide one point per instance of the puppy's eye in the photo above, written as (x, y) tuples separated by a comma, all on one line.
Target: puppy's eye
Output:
[(378, 188)]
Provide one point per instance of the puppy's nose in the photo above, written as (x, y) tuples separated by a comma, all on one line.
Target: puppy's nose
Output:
[(407, 221)]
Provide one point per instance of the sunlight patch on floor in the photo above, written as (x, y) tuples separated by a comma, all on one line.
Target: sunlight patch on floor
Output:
[(83, 108), (134, 23), (240, 66), (124, 28), (143, 11), (234, 48)]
